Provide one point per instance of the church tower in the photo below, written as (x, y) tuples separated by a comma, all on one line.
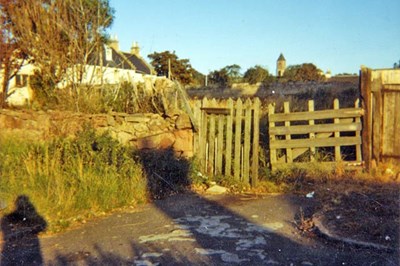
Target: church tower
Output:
[(280, 65)]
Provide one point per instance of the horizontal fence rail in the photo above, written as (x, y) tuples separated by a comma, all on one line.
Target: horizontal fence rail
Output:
[(315, 135)]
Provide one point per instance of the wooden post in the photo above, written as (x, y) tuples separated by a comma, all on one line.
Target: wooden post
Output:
[(358, 120), (272, 152), (289, 155), (366, 104), (312, 134), (203, 152), (246, 148), (211, 142), (238, 133), (338, 156), (228, 153), (256, 136), (220, 144)]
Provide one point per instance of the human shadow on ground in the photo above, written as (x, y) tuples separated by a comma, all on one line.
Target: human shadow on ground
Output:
[(20, 231), (191, 229)]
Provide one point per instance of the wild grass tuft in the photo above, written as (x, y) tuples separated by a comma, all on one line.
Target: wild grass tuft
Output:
[(71, 179)]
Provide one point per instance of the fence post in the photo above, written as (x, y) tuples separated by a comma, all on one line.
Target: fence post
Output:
[(238, 133), (289, 155), (246, 148), (338, 156), (228, 154), (358, 120), (272, 152), (256, 133), (312, 134)]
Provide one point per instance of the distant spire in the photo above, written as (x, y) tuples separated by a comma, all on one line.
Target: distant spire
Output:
[(281, 58)]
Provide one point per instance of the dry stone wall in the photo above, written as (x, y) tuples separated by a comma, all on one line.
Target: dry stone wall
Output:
[(143, 131)]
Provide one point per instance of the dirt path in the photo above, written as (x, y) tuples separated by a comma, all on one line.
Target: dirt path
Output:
[(191, 229)]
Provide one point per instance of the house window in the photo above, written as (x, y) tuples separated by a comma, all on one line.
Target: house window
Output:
[(21, 80)]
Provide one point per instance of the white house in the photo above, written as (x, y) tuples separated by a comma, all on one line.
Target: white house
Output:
[(111, 67)]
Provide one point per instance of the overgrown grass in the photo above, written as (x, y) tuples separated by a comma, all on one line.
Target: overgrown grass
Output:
[(71, 179)]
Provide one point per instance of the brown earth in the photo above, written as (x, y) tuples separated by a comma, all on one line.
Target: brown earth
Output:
[(358, 210)]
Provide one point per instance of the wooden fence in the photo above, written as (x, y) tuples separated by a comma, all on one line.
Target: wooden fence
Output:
[(303, 136), (380, 90), (227, 142)]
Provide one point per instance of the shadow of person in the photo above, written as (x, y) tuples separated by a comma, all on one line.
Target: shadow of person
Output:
[(20, 234)]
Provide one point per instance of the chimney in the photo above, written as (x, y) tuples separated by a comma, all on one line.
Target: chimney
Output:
[(114, 43), (135, 49)]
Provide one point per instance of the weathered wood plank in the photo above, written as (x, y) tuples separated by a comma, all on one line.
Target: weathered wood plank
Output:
[(238, 133), (211, 141), (289, 156), (220, 144), (311, 133), (365, 87), (338, 156), (203, 153), (272, 151), (357, 120), (323, 114), (319, 142), (197, 135), (228, 153), (377, 118), (247, 144), (256, 137), (315, 129)]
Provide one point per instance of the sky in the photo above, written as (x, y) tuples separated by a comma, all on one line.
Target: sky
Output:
[(335, 35)]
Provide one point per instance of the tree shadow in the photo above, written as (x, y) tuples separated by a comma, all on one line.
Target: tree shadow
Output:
[(20, 230)]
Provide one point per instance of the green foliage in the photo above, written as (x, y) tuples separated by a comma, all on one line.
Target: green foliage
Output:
[(181, 69), (396, 65), (225, 76), (68, 180), (256, 74), (303, 72)]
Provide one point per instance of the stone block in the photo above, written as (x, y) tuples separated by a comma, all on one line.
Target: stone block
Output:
[(183, 122)]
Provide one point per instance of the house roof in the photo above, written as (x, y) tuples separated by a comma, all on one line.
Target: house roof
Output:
[(281, 58), (122, 60)]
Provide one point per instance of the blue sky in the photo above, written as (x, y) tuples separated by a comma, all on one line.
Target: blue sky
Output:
[(340, 35)]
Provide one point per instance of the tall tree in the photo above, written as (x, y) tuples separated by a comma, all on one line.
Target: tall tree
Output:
[(59, 35), (233, 72), (256, 74), (303, 72), (168, 64), (396, 64)]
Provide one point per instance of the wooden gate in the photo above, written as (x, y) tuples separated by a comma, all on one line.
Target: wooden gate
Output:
[(380, 90), (227, 142), (303, 133)]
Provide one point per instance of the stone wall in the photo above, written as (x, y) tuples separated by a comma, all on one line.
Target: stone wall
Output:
[(143, 131)]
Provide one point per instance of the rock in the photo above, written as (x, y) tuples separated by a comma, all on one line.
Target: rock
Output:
[(216, 190), (183, 122)]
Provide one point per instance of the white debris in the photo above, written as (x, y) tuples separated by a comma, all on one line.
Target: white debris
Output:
[(310, 195)]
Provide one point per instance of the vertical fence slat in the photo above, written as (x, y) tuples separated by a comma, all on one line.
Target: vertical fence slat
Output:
[(246, 148), (228, 153), (238, 133), (272, 152), (197, 135), (256, 136), (203, 154), (289, 154), (220, 144), (338, 156), (312, 134), (211, 141), (358, 120)]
